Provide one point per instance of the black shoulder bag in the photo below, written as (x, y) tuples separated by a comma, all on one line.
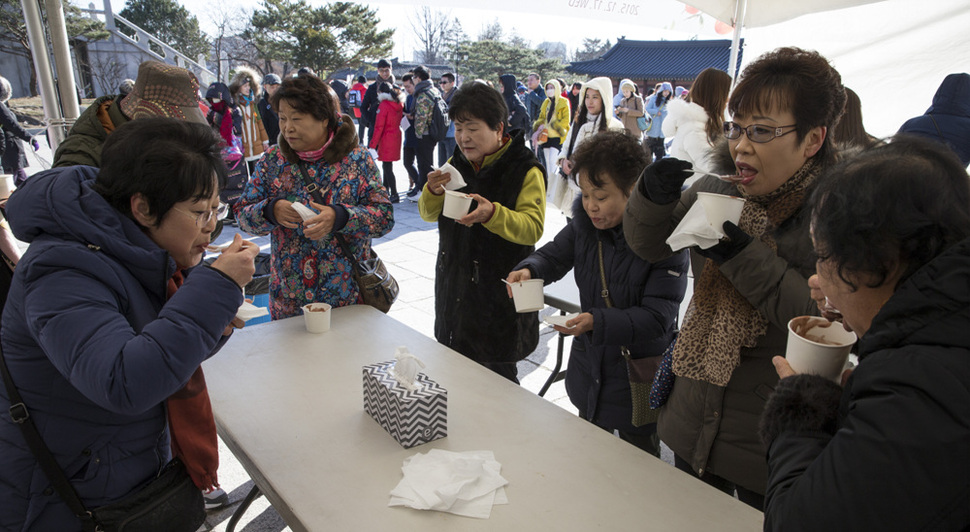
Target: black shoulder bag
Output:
[(168, 503), (377, 287)]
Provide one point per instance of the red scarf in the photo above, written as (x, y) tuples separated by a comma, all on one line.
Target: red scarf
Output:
[(191, 424)]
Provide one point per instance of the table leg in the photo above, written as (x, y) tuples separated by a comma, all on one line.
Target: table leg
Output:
[(243, 506), (556, 374)]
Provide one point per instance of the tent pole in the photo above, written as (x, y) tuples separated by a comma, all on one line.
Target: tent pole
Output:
[(45, 76), (739, 10)]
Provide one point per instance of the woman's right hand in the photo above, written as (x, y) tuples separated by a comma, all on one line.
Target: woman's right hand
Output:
[(436, 182), (286, 215), (517, 276), (238, 261)]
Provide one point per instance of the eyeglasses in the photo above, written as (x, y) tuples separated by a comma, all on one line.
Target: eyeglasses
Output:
[(203, 218), (443, 82), (756, 132)]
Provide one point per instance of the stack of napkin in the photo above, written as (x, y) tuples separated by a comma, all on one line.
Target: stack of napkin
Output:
[(465, 483), (695, 229)]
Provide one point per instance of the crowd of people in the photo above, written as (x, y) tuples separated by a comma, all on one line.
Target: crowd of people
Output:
[(111, 310)]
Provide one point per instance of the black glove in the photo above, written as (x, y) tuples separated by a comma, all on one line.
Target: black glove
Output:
[(661, 181), (735, 240)]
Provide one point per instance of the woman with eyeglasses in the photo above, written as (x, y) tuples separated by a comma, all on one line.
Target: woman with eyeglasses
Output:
[(754, 280), (109, 315)]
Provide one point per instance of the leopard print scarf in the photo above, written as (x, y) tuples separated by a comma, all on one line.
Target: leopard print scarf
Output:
[(719, 320)]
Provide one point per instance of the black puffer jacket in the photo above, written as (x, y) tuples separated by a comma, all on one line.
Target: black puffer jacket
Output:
[(646, 299), (473, 313), (518, 114), (895, 454)]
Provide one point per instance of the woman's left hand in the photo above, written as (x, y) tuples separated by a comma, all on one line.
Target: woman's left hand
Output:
[(322, 224), (582, 323), (481, 214)]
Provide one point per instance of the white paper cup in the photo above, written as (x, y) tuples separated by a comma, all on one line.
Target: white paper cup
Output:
[(527, 295), (317, 321), (6, 185), (456, 204), (818, 346), (721, 208)]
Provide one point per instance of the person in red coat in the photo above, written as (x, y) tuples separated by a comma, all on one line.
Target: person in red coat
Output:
[(387, 134)]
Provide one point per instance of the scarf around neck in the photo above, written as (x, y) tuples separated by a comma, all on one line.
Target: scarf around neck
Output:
[(719, 320), (310, 156)]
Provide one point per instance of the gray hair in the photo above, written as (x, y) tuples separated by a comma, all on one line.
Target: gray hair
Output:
[(6, 91)]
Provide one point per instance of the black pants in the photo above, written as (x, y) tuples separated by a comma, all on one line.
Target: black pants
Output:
[(648, 442), (751, 498), (389, 182), (410, 153), (425, 160), (656, 145), (360, 130)]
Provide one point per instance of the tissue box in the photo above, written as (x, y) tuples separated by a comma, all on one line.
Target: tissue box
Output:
[(411, 417)]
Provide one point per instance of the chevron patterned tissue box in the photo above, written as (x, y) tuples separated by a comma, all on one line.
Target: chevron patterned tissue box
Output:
[(414, 415)]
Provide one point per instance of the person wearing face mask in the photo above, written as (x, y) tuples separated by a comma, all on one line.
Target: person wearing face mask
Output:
[(552, 125), (644, 297), (473, 314), (630, 108), (657, 109), (591, 119), (753, 281)]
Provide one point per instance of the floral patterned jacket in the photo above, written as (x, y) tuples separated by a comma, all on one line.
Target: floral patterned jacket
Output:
[(302, 270)]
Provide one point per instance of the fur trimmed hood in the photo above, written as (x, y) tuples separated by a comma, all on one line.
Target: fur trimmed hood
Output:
[(244, 74), (344, 142)]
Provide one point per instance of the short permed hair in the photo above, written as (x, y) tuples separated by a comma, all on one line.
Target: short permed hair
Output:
[(476, 100), (166, 160), (612, 154), (800, 81), (311, 95), (896, 205)]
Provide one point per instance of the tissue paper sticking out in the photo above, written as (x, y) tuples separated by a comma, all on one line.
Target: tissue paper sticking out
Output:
[(305, 212), (457, 181), (406, 368)]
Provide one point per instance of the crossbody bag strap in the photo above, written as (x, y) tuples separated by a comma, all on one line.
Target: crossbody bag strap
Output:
[(606, 292), (54, 473), (313, 190)]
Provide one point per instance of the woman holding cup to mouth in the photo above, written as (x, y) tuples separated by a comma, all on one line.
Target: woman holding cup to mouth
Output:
[(473, 313), (110, 315), (890, 451), (752, 282)]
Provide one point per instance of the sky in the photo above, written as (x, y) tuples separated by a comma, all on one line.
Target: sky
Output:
[(535, 27)]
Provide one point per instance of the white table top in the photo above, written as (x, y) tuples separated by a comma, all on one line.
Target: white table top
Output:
[(289, 405)]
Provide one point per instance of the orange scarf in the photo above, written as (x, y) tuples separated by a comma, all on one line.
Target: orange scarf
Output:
[(191, 424)]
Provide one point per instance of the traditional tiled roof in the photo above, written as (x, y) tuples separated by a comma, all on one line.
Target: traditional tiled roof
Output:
[(666, 60)]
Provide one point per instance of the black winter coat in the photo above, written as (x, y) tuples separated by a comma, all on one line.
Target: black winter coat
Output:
[(13, 157), (893, 453), (271, 122), (473, 313), (646, 299), (518, 114)]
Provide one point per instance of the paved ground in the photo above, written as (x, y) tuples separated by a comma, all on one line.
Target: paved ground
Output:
[(409, 251)]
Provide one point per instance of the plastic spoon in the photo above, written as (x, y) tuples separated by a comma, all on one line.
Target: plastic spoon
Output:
[(729, 178)]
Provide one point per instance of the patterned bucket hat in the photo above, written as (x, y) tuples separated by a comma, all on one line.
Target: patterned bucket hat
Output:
[(164, 90)]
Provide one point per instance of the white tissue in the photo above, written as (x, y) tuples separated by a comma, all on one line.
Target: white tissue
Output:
[(305, 212), (467, 483), (248, 311), (457, 181), (694, 230), (406, 367)]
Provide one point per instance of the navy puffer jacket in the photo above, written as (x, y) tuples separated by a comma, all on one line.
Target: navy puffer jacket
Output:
[(95, 348), (948, 119), (646, 299)]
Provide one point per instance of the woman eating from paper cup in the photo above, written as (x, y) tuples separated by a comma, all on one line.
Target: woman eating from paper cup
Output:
[(891, 229), (752, 281), (473, 313), (317, 156), (109, 316), (644, 298)]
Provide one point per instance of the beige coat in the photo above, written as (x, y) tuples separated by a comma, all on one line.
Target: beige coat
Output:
[(715, 428), (629, 118)]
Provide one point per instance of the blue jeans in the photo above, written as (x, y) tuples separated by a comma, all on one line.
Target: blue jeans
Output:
[(445, 149)]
